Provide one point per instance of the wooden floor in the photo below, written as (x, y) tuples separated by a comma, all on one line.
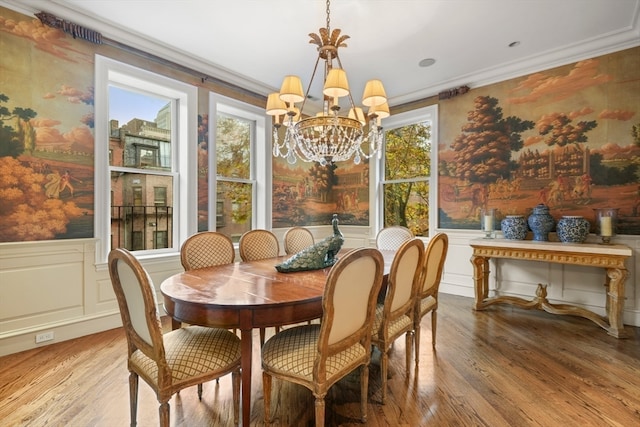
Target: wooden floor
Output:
[(501, 367)]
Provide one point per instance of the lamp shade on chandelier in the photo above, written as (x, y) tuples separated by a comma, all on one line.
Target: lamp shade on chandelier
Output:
[(327, 136)]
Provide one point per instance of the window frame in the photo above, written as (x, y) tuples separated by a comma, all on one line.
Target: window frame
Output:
[(428, 113), (260, 159), (184, 96)]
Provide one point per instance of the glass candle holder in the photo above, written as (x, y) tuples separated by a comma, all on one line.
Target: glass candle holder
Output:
[(606, 223), (488, 223)]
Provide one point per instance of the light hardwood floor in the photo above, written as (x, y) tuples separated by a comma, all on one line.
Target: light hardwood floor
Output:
[(501, 367)]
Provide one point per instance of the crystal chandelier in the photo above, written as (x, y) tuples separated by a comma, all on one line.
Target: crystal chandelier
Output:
[(327, 137)]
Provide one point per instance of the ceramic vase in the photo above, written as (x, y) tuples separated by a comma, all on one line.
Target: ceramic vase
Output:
[(541, 223), (514, 227), (572, 229)]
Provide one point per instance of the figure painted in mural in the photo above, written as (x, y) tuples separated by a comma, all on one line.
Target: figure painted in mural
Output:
[(57, 183)]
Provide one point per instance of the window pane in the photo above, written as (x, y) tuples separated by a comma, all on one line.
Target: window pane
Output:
[(233, 147), (407, 204), (408, 152), (142, 201), (234, 207), (407, 166), (141, 208)]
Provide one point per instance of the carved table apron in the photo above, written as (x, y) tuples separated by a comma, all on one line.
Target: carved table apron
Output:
[(610, 257)]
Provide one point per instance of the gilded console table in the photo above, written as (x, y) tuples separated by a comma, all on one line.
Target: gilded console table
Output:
[(610, 257)]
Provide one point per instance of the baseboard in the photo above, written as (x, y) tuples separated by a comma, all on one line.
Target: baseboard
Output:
[(22, 340)]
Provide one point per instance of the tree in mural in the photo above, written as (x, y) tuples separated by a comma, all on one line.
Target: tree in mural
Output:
[(483, 150), (407, 155), (26, 212), (561, 132), (15, 140), (233, 144), (635, 134), (323, 178)]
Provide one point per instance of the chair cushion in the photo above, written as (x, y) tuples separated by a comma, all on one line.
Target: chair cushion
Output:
[(426, 304), (294, 350), (192, 351), (396, 326)]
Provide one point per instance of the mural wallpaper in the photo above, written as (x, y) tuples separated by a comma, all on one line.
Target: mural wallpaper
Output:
[(46, 132), (568, 137), (309, 194)]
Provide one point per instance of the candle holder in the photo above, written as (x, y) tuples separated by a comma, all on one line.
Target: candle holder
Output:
[(488, 223), (606, 224)]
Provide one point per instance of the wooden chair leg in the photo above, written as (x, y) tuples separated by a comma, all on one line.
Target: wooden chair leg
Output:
[(434, 324), (164, 414), (364, 390), (384, 361), (133, 398), (320, 411), (408, 347), (200, 392), (416, 342)]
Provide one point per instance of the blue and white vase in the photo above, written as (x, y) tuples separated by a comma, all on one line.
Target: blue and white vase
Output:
[(541, 222), (514, 227), (572, 229)]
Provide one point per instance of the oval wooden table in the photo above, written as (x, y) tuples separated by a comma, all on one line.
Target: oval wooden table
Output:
[(247, 295)]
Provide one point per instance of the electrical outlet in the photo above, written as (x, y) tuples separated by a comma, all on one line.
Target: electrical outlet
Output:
[(45, 336)]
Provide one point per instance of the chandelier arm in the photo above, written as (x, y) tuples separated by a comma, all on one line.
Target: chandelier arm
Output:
[(306, 95)]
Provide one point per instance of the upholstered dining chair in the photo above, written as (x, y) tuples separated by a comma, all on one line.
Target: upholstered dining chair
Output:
[(427, 295), (391, 238), (394, 316), (318, 355), (167, 362), (255, 245), (206, 249), (258, 244), (297, 239)]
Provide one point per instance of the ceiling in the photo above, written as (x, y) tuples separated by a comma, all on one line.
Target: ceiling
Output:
[(255, 43)]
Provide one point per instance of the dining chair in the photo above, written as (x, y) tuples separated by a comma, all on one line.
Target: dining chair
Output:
[(206, 249), (394, 316), (317, 356), (297, 239), (427, 295), (258, 244), (391, 238), (172, 361)]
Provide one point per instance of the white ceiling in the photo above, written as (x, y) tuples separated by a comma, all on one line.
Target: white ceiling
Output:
[(254, 43)]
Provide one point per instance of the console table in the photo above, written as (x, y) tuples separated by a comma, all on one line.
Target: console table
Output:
[(610, 257)]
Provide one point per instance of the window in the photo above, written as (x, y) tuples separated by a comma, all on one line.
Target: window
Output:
[(406, 171), (143, 124), (239, 129)]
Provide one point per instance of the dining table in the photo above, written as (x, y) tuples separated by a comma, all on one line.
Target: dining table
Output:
[(244, 296)]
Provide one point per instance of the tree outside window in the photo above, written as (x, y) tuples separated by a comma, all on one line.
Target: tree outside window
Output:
[(407, 170)]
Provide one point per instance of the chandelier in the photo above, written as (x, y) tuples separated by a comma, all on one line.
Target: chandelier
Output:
[(327, 137)]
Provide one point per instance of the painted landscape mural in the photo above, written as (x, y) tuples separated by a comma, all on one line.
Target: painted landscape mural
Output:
[(46, 132), (568, 137), (309, 194)]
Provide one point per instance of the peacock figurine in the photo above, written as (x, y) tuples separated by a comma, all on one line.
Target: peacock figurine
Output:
[(320, 255)]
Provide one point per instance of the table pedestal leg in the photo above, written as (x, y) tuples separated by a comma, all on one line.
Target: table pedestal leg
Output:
[(480, 279)]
